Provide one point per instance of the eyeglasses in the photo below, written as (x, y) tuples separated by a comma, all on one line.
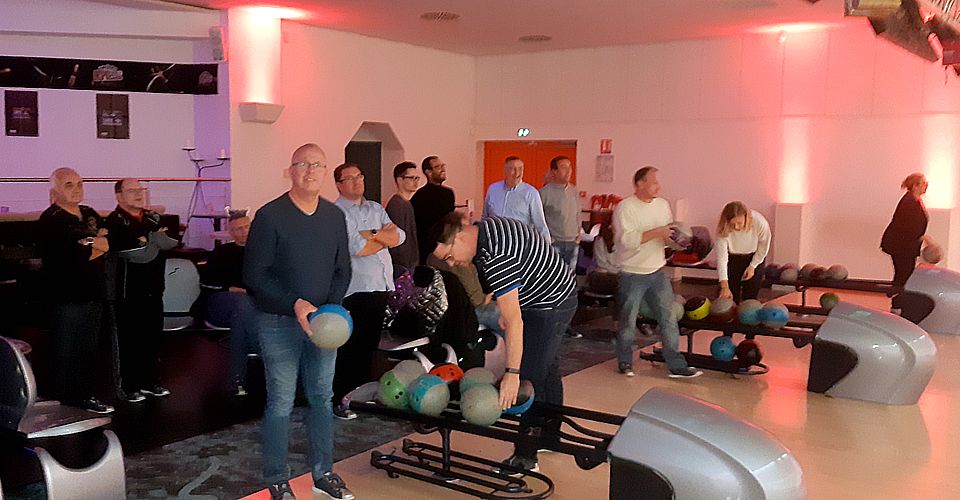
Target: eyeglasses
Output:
[(352, 178), (304, 166), (134, 190), (410, 177)]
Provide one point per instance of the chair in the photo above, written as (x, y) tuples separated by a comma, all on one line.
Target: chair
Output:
[(22, 414), (181, 289)]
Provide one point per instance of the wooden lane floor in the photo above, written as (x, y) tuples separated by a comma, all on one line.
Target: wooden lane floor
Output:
[(848, 449)]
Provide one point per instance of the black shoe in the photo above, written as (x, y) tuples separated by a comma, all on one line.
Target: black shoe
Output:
[(156, 391), (94, 405), (574, 334), (518, 462), (686, 373), (280, 491), (626, 369), (344, 413), (133, 397), (332, 486)]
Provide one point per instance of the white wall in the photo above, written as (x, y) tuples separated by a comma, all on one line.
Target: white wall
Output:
[(840, 113), (160, 124), (331, 82)]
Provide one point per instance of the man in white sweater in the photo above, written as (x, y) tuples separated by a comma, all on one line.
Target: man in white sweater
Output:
[(643, 223)]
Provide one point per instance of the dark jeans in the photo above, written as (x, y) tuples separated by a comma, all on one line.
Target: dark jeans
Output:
[(656, 289), (235, 309), (287, 352), (355, 358), (903, 266), (568, 251), (75, 330), (743, 290), (139, 324), (542, 332)]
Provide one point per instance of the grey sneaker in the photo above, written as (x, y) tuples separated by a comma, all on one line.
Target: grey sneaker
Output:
[(527, 464), (134, 397), (626, 369), (344, 413), (281, 491), (332, 486), (686, 373)]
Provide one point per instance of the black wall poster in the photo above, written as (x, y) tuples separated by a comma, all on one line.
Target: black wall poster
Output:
[(21, 113), (113, 116)]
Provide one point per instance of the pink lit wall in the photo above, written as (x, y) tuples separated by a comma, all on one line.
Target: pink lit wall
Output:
[(833, 118), (330, 83)]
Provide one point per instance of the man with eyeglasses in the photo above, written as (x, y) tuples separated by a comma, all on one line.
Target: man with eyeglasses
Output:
[(536, 293), (406, 255), (431, 202), (370, 233), (297, 259), (141, 270)]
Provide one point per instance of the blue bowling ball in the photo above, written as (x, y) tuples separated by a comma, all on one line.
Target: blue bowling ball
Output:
[(774, 315), (749, 312), (525, 398), (330, 326), (722, 348)]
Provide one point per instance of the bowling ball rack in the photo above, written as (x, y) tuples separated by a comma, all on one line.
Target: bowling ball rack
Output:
[(479, 476), (799, 329)]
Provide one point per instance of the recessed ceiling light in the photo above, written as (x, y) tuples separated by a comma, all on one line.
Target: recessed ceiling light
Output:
[(440, 16), (536, 38)]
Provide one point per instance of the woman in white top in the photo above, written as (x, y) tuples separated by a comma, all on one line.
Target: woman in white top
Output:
[(743, 240)]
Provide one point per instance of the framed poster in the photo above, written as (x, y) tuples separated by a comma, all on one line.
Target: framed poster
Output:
[(113, 116), (604, 171), (21, 113)]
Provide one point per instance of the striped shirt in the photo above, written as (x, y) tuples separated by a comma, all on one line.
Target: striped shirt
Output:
[(512, 255)]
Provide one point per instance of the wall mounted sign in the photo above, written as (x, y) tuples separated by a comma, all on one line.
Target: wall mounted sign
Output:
[(21, 113), (113, 116)]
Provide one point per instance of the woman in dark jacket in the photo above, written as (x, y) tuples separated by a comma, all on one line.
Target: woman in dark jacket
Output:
[(906, 231)]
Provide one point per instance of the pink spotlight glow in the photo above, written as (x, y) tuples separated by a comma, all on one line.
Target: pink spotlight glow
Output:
[(255, 54), (795, 161), (940, 143), (277, 12), (791, 28)]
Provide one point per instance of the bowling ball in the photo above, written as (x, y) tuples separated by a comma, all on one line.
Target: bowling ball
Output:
[(828, 300), (681, 238), (722, 348), (789, 274), (525, 398), (408, 370), (932, 253), (449, 372), (646, 311), (749, 312), (429, 395), (819, 273), (697, 308), (806, 270), (474, 376), (774, 315), (393, 391), (772, 271), (748, 353), (678, 311), (788, 265), (723, 310), (480, 405), (837, 272), (330, 326)]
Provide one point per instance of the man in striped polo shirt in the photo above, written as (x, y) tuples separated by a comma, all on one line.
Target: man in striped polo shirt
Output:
[(536, 292)]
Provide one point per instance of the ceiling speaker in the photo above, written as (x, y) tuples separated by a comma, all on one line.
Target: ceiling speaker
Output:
[(906, 28), (868, 8)]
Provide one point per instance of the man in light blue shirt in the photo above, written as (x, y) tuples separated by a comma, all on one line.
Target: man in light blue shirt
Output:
[(515, 199), (370, 233)]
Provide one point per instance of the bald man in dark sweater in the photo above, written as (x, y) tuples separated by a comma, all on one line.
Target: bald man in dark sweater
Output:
[(297, 259)]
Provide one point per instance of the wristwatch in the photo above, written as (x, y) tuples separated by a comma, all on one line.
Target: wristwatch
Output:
[(513, 370)]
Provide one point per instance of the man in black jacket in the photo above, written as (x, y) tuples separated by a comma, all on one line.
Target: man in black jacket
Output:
[(72, 248), (133, 234)]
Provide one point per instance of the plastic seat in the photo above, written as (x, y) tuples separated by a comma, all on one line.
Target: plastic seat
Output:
[(181, 290)]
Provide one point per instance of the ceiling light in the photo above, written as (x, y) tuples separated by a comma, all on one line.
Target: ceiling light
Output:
[(536, 38), (440, 16), (270, 12)]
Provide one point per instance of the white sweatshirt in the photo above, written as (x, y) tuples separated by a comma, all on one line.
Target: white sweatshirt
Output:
[(754, 239), (631, 219)]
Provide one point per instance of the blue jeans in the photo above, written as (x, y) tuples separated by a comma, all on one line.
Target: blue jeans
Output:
[(568, 251), (655, 288), (235, 309), (287, 351)]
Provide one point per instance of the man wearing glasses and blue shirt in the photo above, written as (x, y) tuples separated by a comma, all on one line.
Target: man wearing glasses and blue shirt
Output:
[(297, 259), (370, 234)]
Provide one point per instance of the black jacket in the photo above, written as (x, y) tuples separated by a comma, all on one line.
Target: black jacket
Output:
[(68, 273), (905, 231), (128, 232)]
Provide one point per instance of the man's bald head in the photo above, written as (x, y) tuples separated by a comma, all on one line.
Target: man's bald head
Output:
[(66, 187), (308, 169), (309, 149)]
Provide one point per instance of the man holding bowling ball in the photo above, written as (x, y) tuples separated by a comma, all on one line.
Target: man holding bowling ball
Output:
[(297, 259)]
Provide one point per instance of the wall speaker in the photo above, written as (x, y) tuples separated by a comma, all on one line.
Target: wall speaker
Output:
[(216, 43)]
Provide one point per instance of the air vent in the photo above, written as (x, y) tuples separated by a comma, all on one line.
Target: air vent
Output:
[(536, 38), (440, 16)]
